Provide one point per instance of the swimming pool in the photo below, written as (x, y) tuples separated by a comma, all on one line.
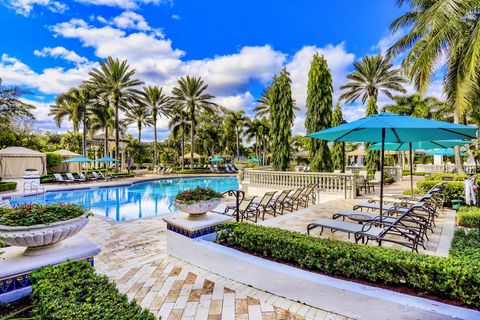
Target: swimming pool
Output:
[(135, 201)]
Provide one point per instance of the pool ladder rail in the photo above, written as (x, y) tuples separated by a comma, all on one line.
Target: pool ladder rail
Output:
[(34, 188)]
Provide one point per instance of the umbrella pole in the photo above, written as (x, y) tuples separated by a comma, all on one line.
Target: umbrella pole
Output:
[(382, 158), (411, 169)]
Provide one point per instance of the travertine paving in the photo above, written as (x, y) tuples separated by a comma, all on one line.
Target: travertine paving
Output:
[(134, 256)]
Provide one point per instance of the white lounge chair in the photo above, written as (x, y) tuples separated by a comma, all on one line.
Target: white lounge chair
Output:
[(59, 178)]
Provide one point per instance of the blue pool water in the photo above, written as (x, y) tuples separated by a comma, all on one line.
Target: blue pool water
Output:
[(139, 200)]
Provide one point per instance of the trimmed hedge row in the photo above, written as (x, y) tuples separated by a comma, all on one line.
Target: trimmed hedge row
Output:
[(72, 290), (8, 186), (447, 278), (445, 176), (466, 245), (452, 189), (469, 217), (406, 172)]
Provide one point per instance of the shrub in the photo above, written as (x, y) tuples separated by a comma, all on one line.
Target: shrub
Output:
[(452, 189), (72, 290), (406, 172), (32, 214), (469, 217), (8, 186), (442, 277), (49, 178), (466, 245), (410, 192), (197, 194), (53, 159), (447, 176)]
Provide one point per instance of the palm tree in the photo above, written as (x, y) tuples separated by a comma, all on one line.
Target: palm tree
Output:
[(11, 108), (115, 81), (157, 101), (442, 31), (253, 132), (179, 125), (236, 120), (190, 96), (417, 106), (139, 114), (372, 75)]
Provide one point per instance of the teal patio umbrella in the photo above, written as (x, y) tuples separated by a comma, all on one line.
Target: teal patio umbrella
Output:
[(254, 160), (107, 159), (387, 127), (77, 159), (443, 152), (217, 159), (416, 146)]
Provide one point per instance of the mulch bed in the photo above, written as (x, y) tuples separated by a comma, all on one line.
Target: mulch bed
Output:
[(18, 309)]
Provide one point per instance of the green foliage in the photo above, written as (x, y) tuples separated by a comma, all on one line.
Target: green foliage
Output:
[(410, 192), (53, 159), (319, 112), (8, 186), (281, 120), (338, 156), (469, 217), (372, 158), (72, 290), (197, 194), (417, 106), (447, 278), (452, 190), (447, 176), (406, 172), (466, 245), (32, 214), (7, 139)]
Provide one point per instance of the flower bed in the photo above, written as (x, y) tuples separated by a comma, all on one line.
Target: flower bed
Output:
[(445, 278), (469, 217), (197, 194), (72, 290)]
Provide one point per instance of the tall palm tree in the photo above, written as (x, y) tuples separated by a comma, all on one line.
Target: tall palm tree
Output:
[(11, 108), (139, 114), (190, 96), (372, 75), (253, 132), (157, 101), (115, 80), (417, 106), (236, 120), (442, 31), (179, 125)]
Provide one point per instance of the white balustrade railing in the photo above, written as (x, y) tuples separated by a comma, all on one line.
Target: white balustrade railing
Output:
[(342, 183), (447, 167), (392, 171)]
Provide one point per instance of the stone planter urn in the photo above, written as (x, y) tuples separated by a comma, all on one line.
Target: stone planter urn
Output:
[(197, 209), (41, 236)]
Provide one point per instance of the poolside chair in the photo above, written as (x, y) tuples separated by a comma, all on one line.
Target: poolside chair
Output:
[(264, 206), (232, 168), (377, 179), (293, 200), (84, 178), (99, 176), (280, 202), (245, 208), (105, 176), (72, 178), (59, 178), (362, 181), (307, 196)]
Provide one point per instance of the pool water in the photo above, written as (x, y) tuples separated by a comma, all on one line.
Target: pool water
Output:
[(139, 200)]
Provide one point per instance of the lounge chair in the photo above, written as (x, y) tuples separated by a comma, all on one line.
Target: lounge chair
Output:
[(105, 176), (279, 203), (264, 206), (84, 178), (72, 178), (59, 178), (232, 168), (293, 201), (97, 176), (307, 196), (377, 179), (245, 208)]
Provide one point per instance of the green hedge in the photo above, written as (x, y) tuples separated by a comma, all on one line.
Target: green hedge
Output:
[(445, 176), (8, 186), (72, 290), (469, 217), (406, 172), (466, 245), (452, 189), (445, 278)]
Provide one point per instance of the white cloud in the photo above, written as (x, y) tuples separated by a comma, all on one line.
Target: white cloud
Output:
[(387, 41), (131, 20), (176, 17), (236, 102), (60, 52), (24, 7), (124, 4)]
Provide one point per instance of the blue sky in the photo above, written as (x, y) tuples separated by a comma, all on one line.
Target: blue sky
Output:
[(237, 46)]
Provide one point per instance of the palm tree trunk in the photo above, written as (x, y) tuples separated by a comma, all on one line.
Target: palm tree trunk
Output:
[(106, 142), (139, 125), (84, 138), (154, 140), (192, 136), (458, 159), (238, 143), (183, 149), (117, 133)]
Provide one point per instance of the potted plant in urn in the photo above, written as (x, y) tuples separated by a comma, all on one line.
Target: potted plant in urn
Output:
[(198, 201), (36, 226)]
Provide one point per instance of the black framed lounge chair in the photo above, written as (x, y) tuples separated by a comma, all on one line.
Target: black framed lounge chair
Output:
[(307, 196), (292, 201), (280, 202), (59, 178), (266, 205), (84, 178), (245, 209), (97, 176)]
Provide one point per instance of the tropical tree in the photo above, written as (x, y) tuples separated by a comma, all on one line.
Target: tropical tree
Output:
[(236, 120), (158, 103), (139, 114), (281, 119), (190, 96), (338, 152), (263, 104), (179, 125), (372, 158), (114, 80), (11, 108), (372, 75), (443, 35), (417, 106), (253, 132), (319, 112)]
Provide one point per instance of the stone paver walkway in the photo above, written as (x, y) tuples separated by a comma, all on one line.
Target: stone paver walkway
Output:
[(134, 256)]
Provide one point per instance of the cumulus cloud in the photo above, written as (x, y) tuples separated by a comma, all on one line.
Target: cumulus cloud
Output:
[(236, 102), (25, 7), (124, 4), (60, 52)]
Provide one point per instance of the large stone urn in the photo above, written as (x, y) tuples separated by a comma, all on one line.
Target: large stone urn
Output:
[(197, 209), (41, 236)]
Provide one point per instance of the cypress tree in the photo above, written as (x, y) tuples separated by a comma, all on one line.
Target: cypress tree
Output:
[(281, 120), (338, 156), (319, 112), (372, 158)]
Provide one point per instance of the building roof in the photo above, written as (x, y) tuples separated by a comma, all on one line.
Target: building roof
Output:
[(20, 152), (66, 153)]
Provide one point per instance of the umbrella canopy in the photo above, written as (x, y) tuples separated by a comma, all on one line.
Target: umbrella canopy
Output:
[(443, 152), (254, 160), (77, 159), (217, 159), (397, 129), (419, 145), (107, 159)]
